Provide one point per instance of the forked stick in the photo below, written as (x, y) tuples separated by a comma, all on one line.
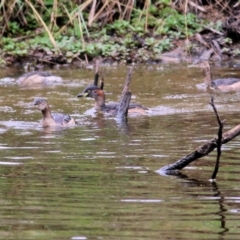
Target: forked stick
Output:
[(218, 141), (202, 151)]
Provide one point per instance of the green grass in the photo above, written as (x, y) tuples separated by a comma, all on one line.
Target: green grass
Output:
[(112, 29)]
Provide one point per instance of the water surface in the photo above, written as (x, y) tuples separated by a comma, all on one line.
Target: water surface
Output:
[(97, 180)]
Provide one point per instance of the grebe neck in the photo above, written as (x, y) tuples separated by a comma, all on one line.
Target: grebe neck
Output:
[(100, 102), (208, 77), (47, 113)]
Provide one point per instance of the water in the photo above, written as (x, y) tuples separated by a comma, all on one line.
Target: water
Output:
[(98, 181)]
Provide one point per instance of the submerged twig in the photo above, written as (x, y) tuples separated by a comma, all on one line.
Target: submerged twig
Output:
[(218, 141)]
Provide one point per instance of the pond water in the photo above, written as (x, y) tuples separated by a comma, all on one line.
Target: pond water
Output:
[(98, 180)]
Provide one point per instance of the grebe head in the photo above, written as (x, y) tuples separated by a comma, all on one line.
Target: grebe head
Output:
[(203, 64), (91, 91), (41, 103)]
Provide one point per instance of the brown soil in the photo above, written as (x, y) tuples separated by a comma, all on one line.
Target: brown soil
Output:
[(207, 44)]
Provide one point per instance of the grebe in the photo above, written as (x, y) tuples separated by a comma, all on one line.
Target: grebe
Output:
[(52, 119), (223, 84), (38, 77), (93, 91)]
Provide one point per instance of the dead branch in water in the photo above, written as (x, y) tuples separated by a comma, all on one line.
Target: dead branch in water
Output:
[(218, 141), (202, 151), (125, 97)]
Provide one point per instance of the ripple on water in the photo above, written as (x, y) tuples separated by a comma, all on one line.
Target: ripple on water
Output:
[(19, 124), (97, 180), (10, 163), (6, 109)]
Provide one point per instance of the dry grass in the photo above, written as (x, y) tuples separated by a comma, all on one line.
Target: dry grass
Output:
[(104, 11), (74, 13)]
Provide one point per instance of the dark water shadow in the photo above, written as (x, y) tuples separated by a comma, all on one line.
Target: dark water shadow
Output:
[(217, 195)]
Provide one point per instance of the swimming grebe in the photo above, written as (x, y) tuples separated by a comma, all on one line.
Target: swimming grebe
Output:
[(52, 119), (38, 77), (224, 84), (93, 91)]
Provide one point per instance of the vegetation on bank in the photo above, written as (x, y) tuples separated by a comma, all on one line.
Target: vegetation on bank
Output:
[(63, 31)]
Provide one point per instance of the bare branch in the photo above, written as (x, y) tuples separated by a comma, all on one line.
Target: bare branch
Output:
[(125, 97), (202, 151), (218, 141)]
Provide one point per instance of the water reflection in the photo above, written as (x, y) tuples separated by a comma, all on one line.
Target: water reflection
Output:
[(217, 197)]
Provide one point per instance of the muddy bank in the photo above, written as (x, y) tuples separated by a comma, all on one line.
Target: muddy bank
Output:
[(208, 44), (218, 39)]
